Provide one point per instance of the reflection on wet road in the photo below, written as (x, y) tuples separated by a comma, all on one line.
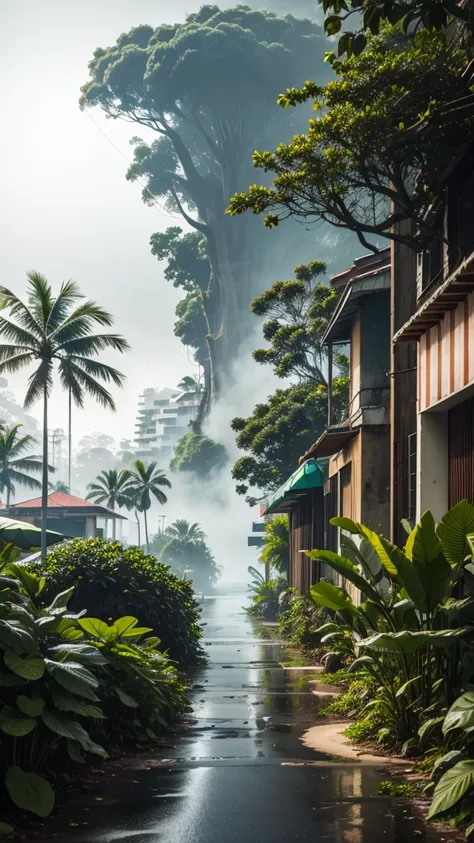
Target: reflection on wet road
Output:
[(237, 772)]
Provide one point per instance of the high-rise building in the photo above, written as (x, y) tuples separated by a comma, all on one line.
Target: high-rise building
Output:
[(163, 417)]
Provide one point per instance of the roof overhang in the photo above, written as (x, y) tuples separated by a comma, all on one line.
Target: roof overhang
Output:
[(446, 297), (374, 281), (308, 476), (333, 440), (66, 512)]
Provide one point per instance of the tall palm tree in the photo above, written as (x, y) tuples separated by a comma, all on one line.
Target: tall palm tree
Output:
[(57, 331), (111, 488), (16, 465), (276, 547), (182, 529), (145, 483)]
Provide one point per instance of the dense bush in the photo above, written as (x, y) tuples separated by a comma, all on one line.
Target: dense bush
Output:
[(112, 580), (72, 687), (265, 595), (300, 619)]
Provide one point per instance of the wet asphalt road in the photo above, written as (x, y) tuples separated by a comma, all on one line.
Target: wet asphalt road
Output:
[(238, 771)]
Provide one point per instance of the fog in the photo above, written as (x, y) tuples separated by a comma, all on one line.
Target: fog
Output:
[(68, 212)]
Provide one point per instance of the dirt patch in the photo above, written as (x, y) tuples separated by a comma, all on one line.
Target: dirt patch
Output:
[(329, 739)]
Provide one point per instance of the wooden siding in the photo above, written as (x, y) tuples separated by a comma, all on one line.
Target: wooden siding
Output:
[(461, 452), (306, 533), (446, 355)]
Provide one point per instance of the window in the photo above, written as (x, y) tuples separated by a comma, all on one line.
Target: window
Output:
[(412, 478)]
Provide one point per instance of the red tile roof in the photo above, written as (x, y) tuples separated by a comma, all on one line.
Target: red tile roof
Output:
[(56, 499)]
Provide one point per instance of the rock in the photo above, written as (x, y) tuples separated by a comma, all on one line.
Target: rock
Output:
[(332, 662)]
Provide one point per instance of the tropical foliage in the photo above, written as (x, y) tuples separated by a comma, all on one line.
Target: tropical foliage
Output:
[(143, 484), (393, 111), (265, 601), (180, 82), (188, 554), (275, 553), (111, 488), (73, 688), (198, 454), (300, 619), (112, 581), (411, 633), (48, 331), (17, 463)]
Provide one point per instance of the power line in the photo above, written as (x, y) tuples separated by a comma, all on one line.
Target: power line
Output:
[(155, 204)]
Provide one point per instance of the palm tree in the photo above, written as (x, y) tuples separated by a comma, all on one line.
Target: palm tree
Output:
[(61, 486), (16, 466), (276, 551), (145, 483), (182, 529), (111, 488), (51, 331)]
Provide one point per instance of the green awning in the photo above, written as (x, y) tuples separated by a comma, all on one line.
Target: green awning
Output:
[(310, 475)]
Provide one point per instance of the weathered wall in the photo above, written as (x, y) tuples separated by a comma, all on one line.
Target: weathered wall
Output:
[(374, 345), (375, 478), (403, 382), (306, 533)]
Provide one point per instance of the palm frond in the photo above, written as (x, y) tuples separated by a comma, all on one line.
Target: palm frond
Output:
[(33, 463), (81, 320), (90, 344), (92, 386), (39, 382), (99, 370), (40, 298), (12, 360), (18, 335), (24, 480), (70, 382), (18, 309), (69, 292)]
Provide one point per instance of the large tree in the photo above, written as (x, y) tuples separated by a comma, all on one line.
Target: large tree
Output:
[(281, 429), (207, 87), (377, 148)]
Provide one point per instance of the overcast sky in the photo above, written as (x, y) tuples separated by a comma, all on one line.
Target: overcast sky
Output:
[(66, 208)]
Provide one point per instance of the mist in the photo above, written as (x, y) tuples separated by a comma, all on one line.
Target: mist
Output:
[(68, 212)]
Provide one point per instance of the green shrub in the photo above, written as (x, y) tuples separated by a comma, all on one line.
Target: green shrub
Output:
[(69, 681), (300, 620), (352, 701), (112, 580)]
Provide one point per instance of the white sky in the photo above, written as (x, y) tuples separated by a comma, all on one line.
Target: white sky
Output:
[(65, 206)]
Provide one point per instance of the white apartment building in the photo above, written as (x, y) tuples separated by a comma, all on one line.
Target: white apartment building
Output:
[(163, 417)]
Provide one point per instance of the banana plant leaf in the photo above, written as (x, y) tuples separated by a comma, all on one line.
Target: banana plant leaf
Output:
[(409, 642), (26, 536)]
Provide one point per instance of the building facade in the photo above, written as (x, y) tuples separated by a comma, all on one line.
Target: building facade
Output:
[(163, 417), (442, 328)]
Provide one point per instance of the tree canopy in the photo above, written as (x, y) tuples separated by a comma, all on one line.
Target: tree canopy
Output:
[(386, 118), (207, 87), (199, 454)]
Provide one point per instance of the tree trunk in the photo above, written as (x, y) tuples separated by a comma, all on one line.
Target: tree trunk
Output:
[(138, 528), (44, 490), (8, 496), (267, 571), (114, 525), (69, 442), (147, 543)]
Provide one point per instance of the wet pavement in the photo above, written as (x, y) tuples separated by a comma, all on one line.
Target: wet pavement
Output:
[(238, 770)]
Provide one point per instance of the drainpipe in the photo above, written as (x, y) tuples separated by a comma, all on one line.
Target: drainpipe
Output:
[(329, 384)]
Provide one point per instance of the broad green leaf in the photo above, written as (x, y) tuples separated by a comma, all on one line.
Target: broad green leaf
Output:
[(332, 597), (29, 667), (461, 713), (428, 725), (30, 582), (83, 653), (66, 703), (74, 731), (347, 569), (125, 624), (74, 752), (74, 677), (373, 539), (424, 549), (29, 791), (98, 629), (409, 642), (14, 636), (453, 530), (151, 642), (30, 707), (407, 685), (5, 828), (17, 726), (451, 787), (137, 631), (60, 601), (407, 575), (125, 698)]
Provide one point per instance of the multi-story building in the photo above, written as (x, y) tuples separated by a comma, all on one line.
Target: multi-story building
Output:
[(163, 417)]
